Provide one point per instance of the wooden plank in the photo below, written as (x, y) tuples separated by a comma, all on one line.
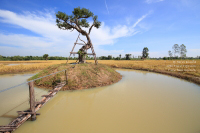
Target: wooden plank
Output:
[(24, 112), (73, 47), (39, 102), (79, 43), (73, 52), (46, 96), (91, 54), (8, 126)]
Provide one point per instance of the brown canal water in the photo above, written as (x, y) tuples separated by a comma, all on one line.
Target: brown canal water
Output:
[(142, 102), (16, 99)]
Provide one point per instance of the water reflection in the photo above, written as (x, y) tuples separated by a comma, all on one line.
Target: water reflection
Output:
[(19, 64)]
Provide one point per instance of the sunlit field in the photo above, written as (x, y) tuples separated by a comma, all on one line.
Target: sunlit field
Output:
[(34, 66), (186, 69)]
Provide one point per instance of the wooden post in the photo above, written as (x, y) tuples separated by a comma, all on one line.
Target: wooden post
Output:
[(32, 100), (66, 76)]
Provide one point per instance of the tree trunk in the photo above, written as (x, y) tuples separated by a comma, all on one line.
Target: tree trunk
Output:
[(82, 58), (83, 49)]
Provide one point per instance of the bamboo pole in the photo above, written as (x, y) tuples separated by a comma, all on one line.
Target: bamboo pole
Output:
[(66, 76), (32, 101)]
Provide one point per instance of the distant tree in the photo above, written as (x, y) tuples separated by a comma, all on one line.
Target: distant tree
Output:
[(120, 56), (164, 58), (109, 57), (145, 53), (1, 57), (176, 49), (78, 22), (170, 53), (45, 56), (183, 51), (117, 58), (128, 56)]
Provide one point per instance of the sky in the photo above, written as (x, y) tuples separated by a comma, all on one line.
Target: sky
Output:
[(127, 26)]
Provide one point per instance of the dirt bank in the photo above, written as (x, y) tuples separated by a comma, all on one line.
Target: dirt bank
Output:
[(80, 76)]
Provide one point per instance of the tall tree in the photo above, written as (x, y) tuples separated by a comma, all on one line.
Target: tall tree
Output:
[(109, 57), (170, 53), (145, 53), (176, 49), (120, 56), (128, 56), (78, 21), (183, 51), (45, 56)]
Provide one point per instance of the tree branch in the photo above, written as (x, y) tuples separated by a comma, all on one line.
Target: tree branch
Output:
[(82, 17), (90, 29), (82, 40), (76, 22)]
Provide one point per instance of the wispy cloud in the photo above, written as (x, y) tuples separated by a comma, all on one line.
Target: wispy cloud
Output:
[(106, 7), (140, 19), (152, 1)]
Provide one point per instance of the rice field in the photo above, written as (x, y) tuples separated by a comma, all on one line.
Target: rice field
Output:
[(185, 69)]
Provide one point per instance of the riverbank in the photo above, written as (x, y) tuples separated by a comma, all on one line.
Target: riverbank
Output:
[(184, 69)]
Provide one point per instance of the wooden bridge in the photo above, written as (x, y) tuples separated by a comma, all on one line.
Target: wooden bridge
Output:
[(23, 116)]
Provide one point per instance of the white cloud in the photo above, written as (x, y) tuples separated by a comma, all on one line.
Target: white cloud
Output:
[(24, 40), (152, 1), (53, 39)]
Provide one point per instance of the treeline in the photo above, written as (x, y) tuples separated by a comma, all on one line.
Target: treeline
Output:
[(20, 58), (109, 57)]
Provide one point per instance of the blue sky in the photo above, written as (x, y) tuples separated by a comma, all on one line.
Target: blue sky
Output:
[(29, 27)]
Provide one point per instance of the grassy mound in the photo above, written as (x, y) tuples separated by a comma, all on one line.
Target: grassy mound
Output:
[(80, 76)]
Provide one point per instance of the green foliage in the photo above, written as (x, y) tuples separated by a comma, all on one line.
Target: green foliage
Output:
[(45, 56), (109, 57), (170, 53), (128, 56), (176, 49), (145, 53), (81, 53), (76, 20), (183, 51)]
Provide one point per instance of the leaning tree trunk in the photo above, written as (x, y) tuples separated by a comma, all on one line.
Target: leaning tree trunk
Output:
[(83, 49), (82, 58)]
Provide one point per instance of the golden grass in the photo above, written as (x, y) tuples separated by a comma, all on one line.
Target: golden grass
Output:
[(186, 69), (37, 65)]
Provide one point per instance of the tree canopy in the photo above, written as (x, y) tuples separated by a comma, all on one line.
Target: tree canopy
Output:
[(145, 53), (77, 20), (45, 56)]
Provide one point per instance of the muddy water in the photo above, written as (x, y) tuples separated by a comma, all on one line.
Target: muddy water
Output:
[(15, 99), (19, 64), (141, 102)]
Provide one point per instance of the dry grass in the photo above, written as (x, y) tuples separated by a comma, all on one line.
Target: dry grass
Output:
[(80, 76), (37, 65), (186, 69)]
